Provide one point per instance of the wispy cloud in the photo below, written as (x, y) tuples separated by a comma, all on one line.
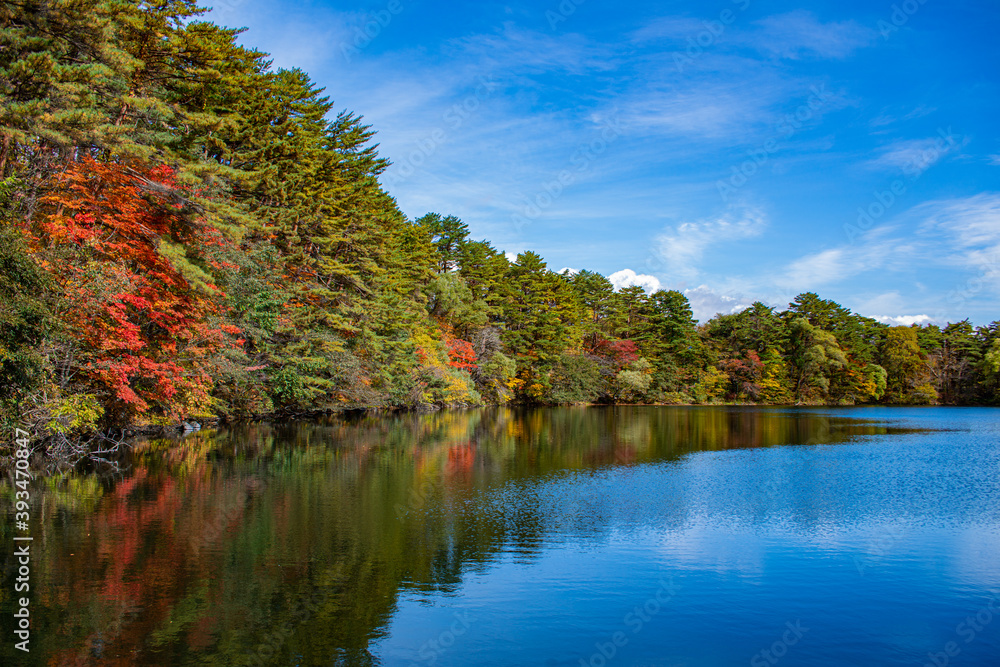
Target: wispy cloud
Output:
[(890, 248), (720, 97), (915, 156), (820, 268), (969, 228), (959, 235), (793, 35), (800, 34), (527, 51), (707, 111), (682, 129), (683, 246), (888, 119)]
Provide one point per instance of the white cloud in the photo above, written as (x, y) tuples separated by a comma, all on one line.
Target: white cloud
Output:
[(956, 234), (722, 94), (903, 320), (792, 35), (714, 113), (706, 302), (882, 122), (969, 229), (819, 269), (512, 48), (800, 33), (886, 302), (971, 221), (628, 278), (880, 249), (891, 301), (568, 271), (915, 156), (718, 97), (511, 256), (995, 160), (683, 246)]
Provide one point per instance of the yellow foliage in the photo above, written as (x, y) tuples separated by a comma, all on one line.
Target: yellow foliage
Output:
[(78, 413), (452, 385), (775, 386), (711, 385)]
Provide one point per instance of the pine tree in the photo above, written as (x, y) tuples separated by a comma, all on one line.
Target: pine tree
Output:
[(448, 235), (538, 311), (483, 269), (595, 293), (628, 320)]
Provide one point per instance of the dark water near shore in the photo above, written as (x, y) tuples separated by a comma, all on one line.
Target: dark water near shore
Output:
[(595, 536)]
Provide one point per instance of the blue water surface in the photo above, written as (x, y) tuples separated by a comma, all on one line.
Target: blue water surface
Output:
[(570, 536), (873, 552)]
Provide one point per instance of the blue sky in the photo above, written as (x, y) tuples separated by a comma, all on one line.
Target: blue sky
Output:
[(736, 150)]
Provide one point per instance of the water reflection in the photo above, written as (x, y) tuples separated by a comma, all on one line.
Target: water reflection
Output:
[(291, 543)]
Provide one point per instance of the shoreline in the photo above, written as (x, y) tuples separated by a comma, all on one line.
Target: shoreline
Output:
[(84, 443)]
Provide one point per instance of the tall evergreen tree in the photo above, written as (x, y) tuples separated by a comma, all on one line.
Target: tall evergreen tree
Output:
[(448, 235)]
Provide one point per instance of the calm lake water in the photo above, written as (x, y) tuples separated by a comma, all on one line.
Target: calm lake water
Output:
[(589, 536)]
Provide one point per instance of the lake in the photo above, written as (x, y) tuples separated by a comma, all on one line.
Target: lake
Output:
[(571, 536)]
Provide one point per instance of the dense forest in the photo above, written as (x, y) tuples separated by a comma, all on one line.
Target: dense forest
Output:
[(188, 232)]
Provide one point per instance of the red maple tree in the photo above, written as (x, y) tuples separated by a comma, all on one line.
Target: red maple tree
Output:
[(112, 238), (461, 354), (621, 352)]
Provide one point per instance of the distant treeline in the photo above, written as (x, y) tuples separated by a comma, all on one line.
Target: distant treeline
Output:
[(188, 232)]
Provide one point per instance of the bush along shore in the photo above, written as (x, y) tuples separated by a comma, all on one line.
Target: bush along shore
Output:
[(189, 234)]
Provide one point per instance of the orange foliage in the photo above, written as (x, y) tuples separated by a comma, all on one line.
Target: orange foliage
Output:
[(461, 354), (141, 326)]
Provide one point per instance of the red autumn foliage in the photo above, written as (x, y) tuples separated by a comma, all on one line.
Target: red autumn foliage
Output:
[(141, 327), (744, 374), (461, 354), (622, 352)]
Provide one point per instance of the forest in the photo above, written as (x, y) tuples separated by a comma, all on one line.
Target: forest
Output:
[(189, 233)]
